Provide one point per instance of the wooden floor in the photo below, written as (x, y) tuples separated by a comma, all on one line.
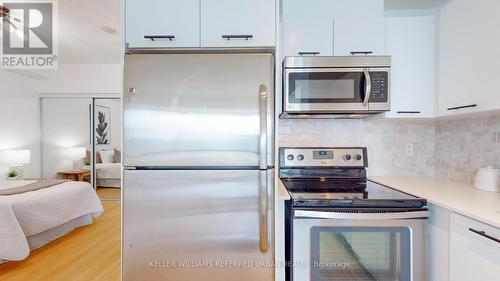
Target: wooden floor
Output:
[(86, 254), (109, 193)]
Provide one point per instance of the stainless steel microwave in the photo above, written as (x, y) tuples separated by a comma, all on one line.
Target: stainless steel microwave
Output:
[(348, 86)]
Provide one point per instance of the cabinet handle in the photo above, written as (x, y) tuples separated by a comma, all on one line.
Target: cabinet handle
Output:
[(153, 37), (237, 36), (462, 107), (361, 53), (308, 53), (409, 112), (483, 233)]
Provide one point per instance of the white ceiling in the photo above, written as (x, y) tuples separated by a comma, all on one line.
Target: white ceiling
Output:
[(82, 39)]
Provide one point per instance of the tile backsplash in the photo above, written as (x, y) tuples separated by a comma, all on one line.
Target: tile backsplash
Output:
[(385, 140), (463, 145), (450, 148)]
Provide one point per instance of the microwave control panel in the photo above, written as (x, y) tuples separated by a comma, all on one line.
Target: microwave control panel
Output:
[(380, 86)]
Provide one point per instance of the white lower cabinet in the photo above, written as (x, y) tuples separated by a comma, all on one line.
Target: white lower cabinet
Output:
[(461, 249), (474, 255), (439, 243)]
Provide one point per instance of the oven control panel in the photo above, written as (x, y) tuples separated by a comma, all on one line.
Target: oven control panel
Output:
[(323, 157)]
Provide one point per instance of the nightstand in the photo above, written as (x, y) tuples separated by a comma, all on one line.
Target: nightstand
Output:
[(76, 175)]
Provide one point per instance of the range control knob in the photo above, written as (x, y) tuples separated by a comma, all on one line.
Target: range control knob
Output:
[(290, 157), (347, 157), (300, 157), (358, 157)]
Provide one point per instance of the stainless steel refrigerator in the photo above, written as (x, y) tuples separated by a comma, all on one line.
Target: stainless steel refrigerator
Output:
[(198, 177)]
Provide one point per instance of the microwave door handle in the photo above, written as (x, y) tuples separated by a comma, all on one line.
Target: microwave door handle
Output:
[(368, 87)]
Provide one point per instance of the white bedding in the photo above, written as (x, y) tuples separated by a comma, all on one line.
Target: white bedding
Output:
[(31, 213), (108, 174)]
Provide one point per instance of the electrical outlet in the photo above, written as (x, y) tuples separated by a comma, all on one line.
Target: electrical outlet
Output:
[(409, 149)]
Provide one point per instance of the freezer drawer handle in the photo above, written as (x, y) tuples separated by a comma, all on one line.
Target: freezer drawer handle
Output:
[(483, 233), (263, 127), (360, 216), (263, 212)]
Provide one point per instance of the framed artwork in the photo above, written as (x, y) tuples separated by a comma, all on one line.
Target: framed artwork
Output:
[(102, 125)]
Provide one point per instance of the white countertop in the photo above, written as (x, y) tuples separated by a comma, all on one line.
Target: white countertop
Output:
[(458, 197), (281, 191)]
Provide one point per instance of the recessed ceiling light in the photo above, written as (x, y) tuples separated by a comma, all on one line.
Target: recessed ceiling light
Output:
[(109, 30)]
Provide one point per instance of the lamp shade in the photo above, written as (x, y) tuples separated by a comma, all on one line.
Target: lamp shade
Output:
[(15, 157), (76, 152)]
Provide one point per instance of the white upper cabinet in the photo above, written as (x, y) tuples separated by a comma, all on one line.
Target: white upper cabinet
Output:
[(238, 23), (359, 35), (474, 255), (411, 44), (469, 52), (162, 23), (333, 27), (308, 27)]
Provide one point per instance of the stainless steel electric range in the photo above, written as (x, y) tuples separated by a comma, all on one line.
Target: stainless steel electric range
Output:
[(342, 227)]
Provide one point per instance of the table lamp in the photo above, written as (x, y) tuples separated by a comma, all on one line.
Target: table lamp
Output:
[(77, 154), (15, 159)]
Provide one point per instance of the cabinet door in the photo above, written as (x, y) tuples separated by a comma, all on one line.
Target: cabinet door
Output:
[(359, 35), (469, 52), (359, 26), (472, 255), (439, 243), (411, 44), (308, 27), (162, 23), (242, 23)]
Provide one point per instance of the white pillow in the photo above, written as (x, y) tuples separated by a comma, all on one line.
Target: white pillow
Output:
[(107, 156)]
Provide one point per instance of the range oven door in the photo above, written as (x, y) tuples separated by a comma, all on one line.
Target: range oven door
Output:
[(336, 90), (329, 246)]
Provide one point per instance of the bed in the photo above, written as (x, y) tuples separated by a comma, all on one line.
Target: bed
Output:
[(32, 219), (108, 174)]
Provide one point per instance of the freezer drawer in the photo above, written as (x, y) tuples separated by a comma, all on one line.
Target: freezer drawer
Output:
[(198, 225), (198, 109)]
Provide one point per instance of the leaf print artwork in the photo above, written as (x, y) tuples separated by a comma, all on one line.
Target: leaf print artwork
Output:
[(102, 125)]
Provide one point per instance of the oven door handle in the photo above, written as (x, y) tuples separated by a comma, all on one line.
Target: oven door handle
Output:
[(368, 86), (305, 214)]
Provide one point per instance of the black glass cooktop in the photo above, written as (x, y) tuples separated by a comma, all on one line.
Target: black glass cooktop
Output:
[(347, 193)]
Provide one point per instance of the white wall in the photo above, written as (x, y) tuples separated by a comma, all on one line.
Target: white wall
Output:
[(20, 103)]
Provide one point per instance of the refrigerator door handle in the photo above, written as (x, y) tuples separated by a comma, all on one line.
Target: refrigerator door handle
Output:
[(263, 212), (263, 126)]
